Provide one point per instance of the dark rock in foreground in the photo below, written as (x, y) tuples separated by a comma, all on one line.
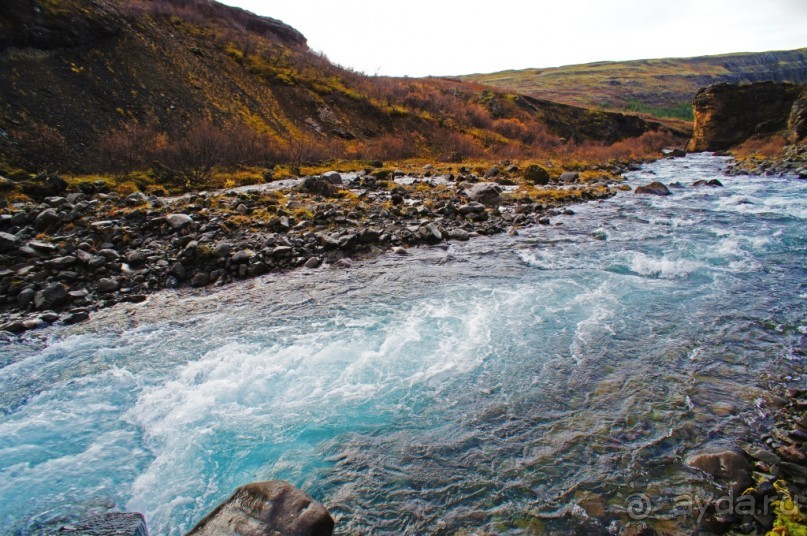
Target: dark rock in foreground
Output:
[(267, 508), (654, 188)]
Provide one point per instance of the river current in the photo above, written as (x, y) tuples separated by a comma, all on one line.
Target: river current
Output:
[(508, 384)]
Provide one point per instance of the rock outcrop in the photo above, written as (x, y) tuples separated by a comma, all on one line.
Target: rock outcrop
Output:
[(263, 508), (727, 114)]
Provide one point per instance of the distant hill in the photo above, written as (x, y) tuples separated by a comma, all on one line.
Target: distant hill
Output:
[(82, 78), (660, 87)]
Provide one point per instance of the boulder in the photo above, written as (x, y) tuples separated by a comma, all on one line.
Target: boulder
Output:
[(8, 242), (222, 250), (568, 177), (728, 468), (178, 221), (108, 284), (46, 219), (487, 193), (242, 256), (459, 234), (318, 186), (654, 188), (200, 280), (265, 508), (492, 172), (136, 258), (333, 177), (136, 198), (714, 183), (536, 175), (50, 297)]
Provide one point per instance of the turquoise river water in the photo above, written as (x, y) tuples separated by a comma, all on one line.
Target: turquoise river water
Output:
[(533, 382)]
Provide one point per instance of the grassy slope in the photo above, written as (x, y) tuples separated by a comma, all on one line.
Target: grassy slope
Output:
[(106, 64), (661, 87)]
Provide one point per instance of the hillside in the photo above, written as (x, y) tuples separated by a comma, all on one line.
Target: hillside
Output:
[(110, 85), (659, 87)]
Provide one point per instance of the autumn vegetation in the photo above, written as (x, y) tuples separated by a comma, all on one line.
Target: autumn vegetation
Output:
[(208, 90)]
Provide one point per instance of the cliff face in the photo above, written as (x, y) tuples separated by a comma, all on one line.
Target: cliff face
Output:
[(728, 114)]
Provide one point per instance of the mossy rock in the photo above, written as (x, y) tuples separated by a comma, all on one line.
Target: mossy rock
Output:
[(536, 175)]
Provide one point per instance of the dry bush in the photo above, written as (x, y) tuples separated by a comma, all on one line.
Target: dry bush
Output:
[(41, 146), (762, 147), (648, 143), (450, 146), (194, 151), (131, 147), (391, 146)]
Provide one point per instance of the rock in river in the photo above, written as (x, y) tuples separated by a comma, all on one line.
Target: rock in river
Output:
[(273, 507), (654, 188), (727, 467)]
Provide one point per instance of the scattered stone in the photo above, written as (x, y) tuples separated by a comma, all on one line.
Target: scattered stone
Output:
[(487, 193), (200, 280), (60, 262), (318, 186), (274, 507), (400, 251), (459, 234), (51, 297), (8, 242), (333, 177), (108, 284), (654, 188), (714, 183), (222, 250), (136, 258), (243, 256), (136, 198), (75, 317), (568, 177), (42, 247), (313, 262), (178, 221), (46, 219)]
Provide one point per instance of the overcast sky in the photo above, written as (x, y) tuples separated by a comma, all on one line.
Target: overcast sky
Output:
[(449, 37)]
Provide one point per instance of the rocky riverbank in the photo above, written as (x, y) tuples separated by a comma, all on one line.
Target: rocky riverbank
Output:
[(791, 161), (68, 253)]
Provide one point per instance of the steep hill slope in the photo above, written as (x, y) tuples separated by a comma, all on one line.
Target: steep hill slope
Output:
[(661, 87), (82, 78)]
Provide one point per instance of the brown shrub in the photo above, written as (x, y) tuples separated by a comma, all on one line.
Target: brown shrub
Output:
[(41, 146), (763, 147)]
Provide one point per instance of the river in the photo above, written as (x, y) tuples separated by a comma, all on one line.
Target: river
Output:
[(526, 383)]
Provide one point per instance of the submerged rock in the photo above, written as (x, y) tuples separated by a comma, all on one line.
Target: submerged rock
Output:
[(727, 467), (654, 188), (117, 523), (263, 508)]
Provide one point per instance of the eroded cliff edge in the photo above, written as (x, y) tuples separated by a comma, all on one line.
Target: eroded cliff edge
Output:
[(726, 115)]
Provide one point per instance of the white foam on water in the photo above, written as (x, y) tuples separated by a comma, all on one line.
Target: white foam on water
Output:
[(319, 378), (663, 267)]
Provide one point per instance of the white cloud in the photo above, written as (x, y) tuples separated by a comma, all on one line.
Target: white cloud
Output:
[(421, 37)]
